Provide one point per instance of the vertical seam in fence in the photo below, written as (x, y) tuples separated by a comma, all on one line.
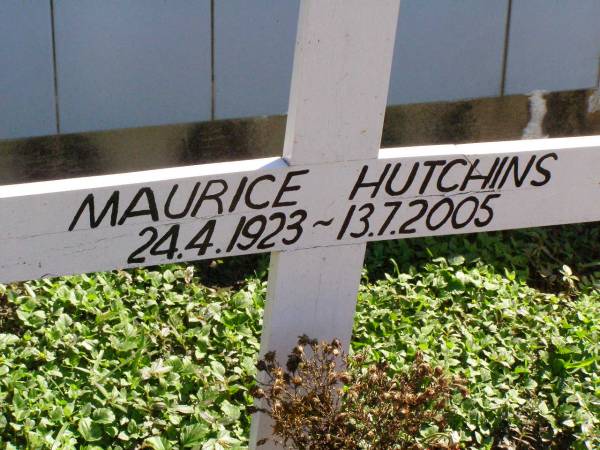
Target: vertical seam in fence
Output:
[(54, 67), (506, 46), (213, 90)]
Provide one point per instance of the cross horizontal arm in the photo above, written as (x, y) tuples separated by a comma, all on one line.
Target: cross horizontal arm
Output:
[(216, 210)]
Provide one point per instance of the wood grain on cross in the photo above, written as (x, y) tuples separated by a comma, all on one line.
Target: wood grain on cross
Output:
[(338, 96)]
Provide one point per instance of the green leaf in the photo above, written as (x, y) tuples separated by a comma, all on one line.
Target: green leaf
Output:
[(103, 415), (192, 435), (569, 423), (218, 370), (64, 322), (458, 260), (168, 276), (56, 414), (232, 412), (7, 339), (89, 430), (158, 443), (581, 364), (20, 406)]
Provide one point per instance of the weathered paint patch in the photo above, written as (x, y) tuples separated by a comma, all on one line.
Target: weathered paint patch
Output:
[(537, 112)]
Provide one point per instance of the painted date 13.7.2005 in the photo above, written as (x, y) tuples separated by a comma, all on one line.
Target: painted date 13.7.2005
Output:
[(407, 217)]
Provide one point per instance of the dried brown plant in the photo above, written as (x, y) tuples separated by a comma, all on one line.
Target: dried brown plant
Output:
[(324, 399)]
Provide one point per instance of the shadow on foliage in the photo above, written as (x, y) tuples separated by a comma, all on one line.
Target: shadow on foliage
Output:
[(536, 255)]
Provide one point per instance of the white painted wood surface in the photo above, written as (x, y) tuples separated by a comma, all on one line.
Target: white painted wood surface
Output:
[(35, 240), (338, 94), (127, 64), (26, 78)]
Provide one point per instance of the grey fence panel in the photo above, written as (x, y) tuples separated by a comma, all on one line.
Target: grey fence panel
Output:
[(445, 50), (554, 45), (146, 62), (448, 50), (254, 49), (126, 64), (26, 77)]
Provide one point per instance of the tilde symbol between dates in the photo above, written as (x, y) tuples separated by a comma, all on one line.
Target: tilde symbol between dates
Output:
[(323, 223)]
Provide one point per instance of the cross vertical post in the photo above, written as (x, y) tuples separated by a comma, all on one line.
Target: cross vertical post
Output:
[(338, 96)]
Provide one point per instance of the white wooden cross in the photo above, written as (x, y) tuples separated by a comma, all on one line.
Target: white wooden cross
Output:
[(317, 206)]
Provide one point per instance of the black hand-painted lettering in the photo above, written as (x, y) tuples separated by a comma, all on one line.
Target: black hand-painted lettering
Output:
[(296, 226), (445, 201), (236, 233), (424, 205), (255, 235), (346, 222), (514, 166), (389, 188), (112, 205), (323, 223), (264, 243), (432, 165), (285, 187), (458, 225), (376, 185), (251, 187), (484, 205), (133, 258), (188, 205), (151, 209), (390, 217), (238, 194), (216, 196), (444, 173), (499, 171), (370, 208), (170, 238), (202, 239), (474, 174), (543, 171)]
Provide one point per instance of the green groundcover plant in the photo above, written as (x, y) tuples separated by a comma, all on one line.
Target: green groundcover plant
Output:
[(531, 359), (165, 357)]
